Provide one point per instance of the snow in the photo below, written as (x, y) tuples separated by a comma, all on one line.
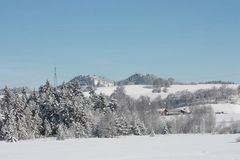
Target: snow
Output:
[(231, 112), (229, 118), (135, 91), (167, 147), (227, 108)]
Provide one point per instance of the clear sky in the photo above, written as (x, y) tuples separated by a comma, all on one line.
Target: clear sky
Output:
[(190, 40)]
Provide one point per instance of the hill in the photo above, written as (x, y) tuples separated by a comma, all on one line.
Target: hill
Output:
[(147, 79), (93, 80)]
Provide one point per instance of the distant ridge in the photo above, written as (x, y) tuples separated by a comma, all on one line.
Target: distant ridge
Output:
[(93, 80), (17, 90), (141, 79), (138, 78), (135, 79), (217, 82)]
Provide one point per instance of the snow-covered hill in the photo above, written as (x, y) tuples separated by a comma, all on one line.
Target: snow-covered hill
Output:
[(228, 112), (168, 147), (135, 91), (140, 79), (226, 108), (93, 80)]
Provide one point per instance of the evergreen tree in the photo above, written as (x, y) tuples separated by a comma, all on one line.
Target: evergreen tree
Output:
[(32, 113), (138, 128), (15, 126), (62, 132), (47, 128), (49, 102), (79, 131), (122, 126)]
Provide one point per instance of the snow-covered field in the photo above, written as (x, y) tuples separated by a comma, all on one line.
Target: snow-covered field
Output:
[(231, 112), (167, 147), (228, 118), (227, 108), (135, 91)]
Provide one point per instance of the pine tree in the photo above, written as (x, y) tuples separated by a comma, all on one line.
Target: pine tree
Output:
[(62, 132), (15, 121), (165, 130), (80, 112), (138, 128), (9, 129), (49, 102), (113, 106), (79, 131), (34, 122), (47, 128), (122, 126)]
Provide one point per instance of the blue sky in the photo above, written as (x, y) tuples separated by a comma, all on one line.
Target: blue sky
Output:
[(189, 40)]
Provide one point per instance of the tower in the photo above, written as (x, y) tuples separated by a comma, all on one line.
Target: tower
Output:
[(55, 77)]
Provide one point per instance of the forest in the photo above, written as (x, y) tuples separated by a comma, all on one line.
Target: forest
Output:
[(65, 112)]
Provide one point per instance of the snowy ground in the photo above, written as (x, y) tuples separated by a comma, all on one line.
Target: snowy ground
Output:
[(231, 112), (135, 91), (227, 108), (168, 147), (228, 118)]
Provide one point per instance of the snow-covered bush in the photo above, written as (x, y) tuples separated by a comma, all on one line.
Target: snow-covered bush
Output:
[(152, 134), (61, 132), (11, 139), (232, 127)]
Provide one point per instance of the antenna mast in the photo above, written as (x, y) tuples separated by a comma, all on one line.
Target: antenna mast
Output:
[(55, 77)]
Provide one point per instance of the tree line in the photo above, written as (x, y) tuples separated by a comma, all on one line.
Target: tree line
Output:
[(65, 112)]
